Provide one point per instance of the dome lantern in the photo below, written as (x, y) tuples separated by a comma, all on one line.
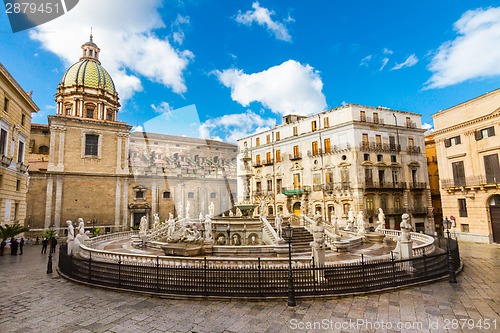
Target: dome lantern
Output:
[(90, 51)]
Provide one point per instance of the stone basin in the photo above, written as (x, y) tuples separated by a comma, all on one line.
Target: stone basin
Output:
[(183, 249), (374, 237)]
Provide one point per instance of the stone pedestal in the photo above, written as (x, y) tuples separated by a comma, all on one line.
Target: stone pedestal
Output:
[(318, 250)]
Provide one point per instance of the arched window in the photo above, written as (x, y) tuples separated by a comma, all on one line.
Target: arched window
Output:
[(43, 150)]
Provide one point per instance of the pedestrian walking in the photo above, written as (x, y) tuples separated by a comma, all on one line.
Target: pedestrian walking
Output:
[(3, 244), (37, 240), (45, 242), (21, 245), (53, 244), (13, 246)]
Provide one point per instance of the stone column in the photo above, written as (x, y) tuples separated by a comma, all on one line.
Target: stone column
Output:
[(58, 203), (52, 147), (117, 201), (60, 158), (119, 140), (48, 202)]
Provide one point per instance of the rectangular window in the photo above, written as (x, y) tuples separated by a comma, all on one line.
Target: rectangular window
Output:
[(91, 144), (18, 185), (296, 180), (375, 117), (315, 148), (257, 159), (139, 195), (278, 155), (366, 157), (326, 122), (296, 151), (316, 182), (393, 159), (484, 133), (257, 142), (269, 185), (411, 143), (464, 227), (369, 203), (381, 177), (329, 177), (362, 115), (278, 185), (23, 119), (380, 158), (213, 195), (20, 152), (190, 195), (3, 141), (268, 138), (269, 158), (462, 208), (492, 169), (397, 203), (295, 131), (278, 136), (258, 187), (313, 125), (458, 173), (452, 141), (395, 177), (328, 146), (365, 138), (378, 141), (16, 210), (90, 113), (408, 122), (6, 104), (166, 195), (368, 176)]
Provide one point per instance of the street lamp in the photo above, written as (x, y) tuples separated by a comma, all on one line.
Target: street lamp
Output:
[(451, 269), (49, 263), (288, 233)]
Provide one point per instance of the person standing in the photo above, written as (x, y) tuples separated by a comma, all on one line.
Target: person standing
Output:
[(53, 244), (13, 246), (3, 244), (45, 242), (21, 245)]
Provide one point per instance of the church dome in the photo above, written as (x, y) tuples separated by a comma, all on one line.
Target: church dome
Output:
[(88, 73)]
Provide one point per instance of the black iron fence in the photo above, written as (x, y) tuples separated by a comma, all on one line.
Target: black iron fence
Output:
[(261, 280)]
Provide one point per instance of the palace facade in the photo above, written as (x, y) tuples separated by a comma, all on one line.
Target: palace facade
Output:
[(351, 156)]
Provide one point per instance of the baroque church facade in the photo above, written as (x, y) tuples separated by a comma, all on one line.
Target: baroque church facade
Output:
[(85, 163)]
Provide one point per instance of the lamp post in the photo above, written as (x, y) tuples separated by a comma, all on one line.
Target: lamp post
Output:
[(288, 233), (49, 263), (451, 268)]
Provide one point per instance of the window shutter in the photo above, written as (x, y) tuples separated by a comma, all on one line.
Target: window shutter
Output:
[(458, 140), (478, 135), (491, 131), (447, 143)]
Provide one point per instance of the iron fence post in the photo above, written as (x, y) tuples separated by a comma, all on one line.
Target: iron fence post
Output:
[(451, 268), (393, 268), (157, 273), (363, 271), (259, 272), (314, 275), (119, 270), (205, 276), (424, 256)]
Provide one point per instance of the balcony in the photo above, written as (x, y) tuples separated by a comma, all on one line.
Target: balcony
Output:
[(268, 162), (417, 185), (370, 184), (6, 160), (294, 157), (22, 167), (314, 153), (380, 147), (296, 190), (411, 124), (257, 164), (394, 211), (413, 150), (418, 210), (475, 181)]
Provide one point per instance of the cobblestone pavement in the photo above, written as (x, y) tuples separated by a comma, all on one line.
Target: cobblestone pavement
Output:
[(33, 301)]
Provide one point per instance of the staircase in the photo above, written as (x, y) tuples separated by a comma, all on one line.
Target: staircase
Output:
[(301, 239)]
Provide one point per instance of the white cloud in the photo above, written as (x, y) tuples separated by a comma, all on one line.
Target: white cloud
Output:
[(163, 108), (128, 51), (474, 53), (178, 28), (137, 129), (427, 126), (384, 62), (387, 51), (411, 61), (262, 16), (289, 88), (232, 127), (366, 60)]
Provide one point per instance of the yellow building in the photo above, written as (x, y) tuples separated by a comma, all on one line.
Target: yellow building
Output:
[(432, 169), (15, 122), (468, 144)]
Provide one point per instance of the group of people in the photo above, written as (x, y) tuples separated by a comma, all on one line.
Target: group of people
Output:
[(45, 243), (15, 246)]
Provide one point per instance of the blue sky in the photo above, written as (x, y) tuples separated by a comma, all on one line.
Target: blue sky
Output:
[(223, 69)]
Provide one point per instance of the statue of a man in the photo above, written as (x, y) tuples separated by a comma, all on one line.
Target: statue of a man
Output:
[(350, 219), (208, 228), (211, 209), (381, 220), (361, 223), (405, 227), (188, 206), (278, 221), (143, 227), (156, 223), (71, 236)]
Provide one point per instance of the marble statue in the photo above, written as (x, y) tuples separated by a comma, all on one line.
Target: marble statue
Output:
[(221, 240), (405, 227), (200, 217), (350, 219), (191, 235), (360, 221), (253, 240), (211, 209), (335, 227), (81, 237), (208, 228), (238, 212), (231, 213), (278, 221), (156, 222), (143, 227), (236, 240), (71, 237), (180, 212), (318, 219), (381, 220), (171, 227)]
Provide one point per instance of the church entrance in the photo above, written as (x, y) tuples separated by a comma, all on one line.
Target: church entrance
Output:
[(137, 218), (296, 208), (494, 204)]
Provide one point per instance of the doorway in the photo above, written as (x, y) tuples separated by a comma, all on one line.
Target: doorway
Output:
[(296, 208), (494, 204), (137, 218)]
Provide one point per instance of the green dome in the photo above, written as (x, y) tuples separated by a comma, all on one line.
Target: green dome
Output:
[(88, 73)]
